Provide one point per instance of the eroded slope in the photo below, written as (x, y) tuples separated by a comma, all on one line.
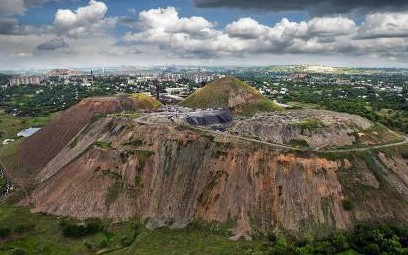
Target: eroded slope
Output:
[(32, 154), (173, 176)]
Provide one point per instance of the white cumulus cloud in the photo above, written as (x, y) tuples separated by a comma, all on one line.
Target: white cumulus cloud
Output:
[(83, 21), (196, 36)]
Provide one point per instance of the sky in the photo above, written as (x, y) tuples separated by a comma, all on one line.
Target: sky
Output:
[(42, 34)]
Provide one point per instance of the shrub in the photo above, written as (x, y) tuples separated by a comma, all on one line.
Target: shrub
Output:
[(347, 204), (280, 247), (340, 241), (137, 230), (3, 184), (372, 249), (21, 228), (272, 237), (93, 226), (125, 241), (4, 232), (75, 230), (19, 252), (103, 244), (89, 245)]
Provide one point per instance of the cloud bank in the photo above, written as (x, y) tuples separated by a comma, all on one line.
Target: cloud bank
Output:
[(313, 7), (86, 36), (53, 44), (383, 34)]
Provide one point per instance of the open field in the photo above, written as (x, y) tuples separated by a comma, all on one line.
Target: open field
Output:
[(43, 235), (10, 125)]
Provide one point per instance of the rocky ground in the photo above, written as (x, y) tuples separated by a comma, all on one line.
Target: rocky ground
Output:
[(317, 129)]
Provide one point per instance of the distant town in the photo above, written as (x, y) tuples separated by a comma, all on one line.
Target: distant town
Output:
[(377, 94)]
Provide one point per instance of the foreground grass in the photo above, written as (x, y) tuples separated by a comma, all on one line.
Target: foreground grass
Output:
[(45, 237), (40, 234), (190, 240)]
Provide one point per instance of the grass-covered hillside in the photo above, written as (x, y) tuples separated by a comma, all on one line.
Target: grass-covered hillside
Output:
[(230, 92), (144, 101)]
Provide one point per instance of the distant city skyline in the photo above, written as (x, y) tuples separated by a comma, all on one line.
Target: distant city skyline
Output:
[(46, 34)]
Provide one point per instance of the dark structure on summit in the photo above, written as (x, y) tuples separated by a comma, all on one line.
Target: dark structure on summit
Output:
[(209, 117)]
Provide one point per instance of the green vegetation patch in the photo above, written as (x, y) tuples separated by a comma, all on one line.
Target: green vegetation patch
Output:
[(347, 204), (135, 143), (42, 234), (3, 184), (113, 192), (104, 145), (262, 105), (142, 156), (48, 235), (77, 230), (298, 143), (372, 164), (193, 239), (217, 93), (379, 134), (10, 159), (212, 182), (146, 102), (334, 155), (309, 123)]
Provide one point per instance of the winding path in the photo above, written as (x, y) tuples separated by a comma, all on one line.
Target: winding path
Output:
[(141, 120)]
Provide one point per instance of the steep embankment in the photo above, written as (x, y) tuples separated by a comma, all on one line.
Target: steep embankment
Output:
[(33, 153), (173, 176), (231, 93)]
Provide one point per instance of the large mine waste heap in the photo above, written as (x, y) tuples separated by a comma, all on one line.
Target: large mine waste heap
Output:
[(270, 171)]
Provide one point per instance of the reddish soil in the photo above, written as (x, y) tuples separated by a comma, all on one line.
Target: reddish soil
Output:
[(36, 151)]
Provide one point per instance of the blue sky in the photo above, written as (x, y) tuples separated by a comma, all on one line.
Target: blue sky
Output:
[(45, 14), (70, 33)]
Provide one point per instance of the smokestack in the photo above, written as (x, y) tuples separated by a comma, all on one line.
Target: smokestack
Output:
[(157, 89)]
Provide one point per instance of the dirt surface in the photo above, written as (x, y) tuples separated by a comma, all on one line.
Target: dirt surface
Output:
[(37, 150), (173, 176), (315, 129)]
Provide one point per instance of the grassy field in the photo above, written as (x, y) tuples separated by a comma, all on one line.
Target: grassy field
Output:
[(44, 236), (165, 241), (10, 125), (41, 234)]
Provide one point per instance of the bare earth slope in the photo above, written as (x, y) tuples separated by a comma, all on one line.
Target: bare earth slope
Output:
[(173, 176), (36, 151)]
